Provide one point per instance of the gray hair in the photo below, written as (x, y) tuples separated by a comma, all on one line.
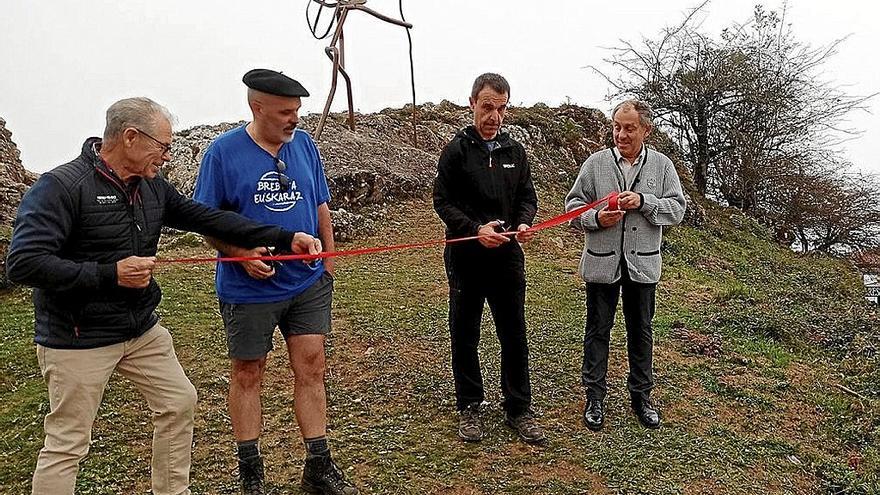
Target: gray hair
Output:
[(142, 113), (252, 94), (494, 81), (646, 113)]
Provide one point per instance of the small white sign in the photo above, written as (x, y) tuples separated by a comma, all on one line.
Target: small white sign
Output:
[(873, 291)]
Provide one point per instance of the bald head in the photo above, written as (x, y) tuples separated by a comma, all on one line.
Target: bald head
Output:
[(275, 117)]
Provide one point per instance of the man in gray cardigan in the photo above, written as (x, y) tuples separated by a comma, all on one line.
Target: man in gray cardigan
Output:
[(622, 254)]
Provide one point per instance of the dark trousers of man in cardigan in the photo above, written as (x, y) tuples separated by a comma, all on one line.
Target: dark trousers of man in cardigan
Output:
[(638, 311)]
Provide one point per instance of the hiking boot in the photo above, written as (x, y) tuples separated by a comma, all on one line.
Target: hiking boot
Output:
[(526, 427), (250, 473), (470, 428), (647, 413), (594, 412), (321, 475)]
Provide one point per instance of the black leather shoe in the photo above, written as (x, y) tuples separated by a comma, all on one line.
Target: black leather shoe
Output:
[(594, 413), (645, 411)]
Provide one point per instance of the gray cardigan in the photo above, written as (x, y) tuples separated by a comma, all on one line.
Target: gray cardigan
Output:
[(637, 236)]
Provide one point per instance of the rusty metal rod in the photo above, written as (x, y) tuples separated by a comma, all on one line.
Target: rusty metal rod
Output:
[(337, 57)]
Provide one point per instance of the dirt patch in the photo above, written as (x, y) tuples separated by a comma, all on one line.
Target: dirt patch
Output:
[(459, 490), (565, 471), (704, 486)]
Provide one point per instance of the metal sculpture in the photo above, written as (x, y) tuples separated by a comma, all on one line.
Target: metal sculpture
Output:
[(336, 50)]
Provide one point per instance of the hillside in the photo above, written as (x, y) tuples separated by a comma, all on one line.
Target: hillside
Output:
[(766, 361)]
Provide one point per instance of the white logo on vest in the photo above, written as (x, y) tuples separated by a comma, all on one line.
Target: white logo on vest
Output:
[(270, 194)]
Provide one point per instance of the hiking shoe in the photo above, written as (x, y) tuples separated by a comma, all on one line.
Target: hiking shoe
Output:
[(526, 427), (470, 427), (594, 412), (322, 475), (250, 474)]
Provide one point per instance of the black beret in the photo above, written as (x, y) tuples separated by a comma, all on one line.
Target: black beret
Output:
[(274, 83)]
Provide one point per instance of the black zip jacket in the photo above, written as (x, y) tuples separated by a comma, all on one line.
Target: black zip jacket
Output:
[(77, 221), (475, 186)]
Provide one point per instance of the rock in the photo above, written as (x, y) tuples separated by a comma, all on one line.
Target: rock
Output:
[(188, 148), (14, 179), (348, 225), (380, 164), (710, 345)]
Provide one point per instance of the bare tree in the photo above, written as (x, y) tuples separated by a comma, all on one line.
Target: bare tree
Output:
[(738, 104), (686, 79), (787, 114), (834, 213)]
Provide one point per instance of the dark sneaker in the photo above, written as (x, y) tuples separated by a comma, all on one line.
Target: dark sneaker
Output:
[(470, 427), (321, 475), (647, 413), (250, 473), (526, 427), (594, 413)]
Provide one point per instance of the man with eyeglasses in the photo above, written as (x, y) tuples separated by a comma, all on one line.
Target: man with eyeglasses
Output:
[(85, 238), (271, 171)]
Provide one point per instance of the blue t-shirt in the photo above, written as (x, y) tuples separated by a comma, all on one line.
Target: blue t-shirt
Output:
[(237, 174)]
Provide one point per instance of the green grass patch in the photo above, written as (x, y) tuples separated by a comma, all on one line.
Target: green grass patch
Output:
[(767, 415)]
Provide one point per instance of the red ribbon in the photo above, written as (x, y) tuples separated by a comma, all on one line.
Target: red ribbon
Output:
[(612, 203), (557, 220)]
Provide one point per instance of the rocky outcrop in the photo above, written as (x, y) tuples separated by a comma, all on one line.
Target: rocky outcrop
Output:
[(14, 179), (379, 164), (188, 148)]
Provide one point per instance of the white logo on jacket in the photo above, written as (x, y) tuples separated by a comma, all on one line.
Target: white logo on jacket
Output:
[(508, 165), (270, 194)]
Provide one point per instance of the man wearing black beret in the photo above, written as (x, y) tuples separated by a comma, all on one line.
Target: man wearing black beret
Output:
[(273, 83), (272, 171)]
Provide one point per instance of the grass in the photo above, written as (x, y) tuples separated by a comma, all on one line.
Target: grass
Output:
[(764, 416)]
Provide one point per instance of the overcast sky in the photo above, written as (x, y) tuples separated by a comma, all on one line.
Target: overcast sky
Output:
[(63, 62)]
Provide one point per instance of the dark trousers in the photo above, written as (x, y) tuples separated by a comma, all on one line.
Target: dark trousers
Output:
[(638, 311), (477, 276)]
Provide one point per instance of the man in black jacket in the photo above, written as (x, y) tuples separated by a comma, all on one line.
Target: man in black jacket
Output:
[(85, 238), (484, 187)]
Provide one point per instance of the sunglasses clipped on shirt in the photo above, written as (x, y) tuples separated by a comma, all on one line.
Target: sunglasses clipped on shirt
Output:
[(281, 167)]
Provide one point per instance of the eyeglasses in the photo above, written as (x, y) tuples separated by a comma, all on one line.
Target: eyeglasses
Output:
[(281, 167), (166, 147)]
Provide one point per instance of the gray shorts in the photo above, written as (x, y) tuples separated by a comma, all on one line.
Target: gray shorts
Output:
[(250, 326)]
